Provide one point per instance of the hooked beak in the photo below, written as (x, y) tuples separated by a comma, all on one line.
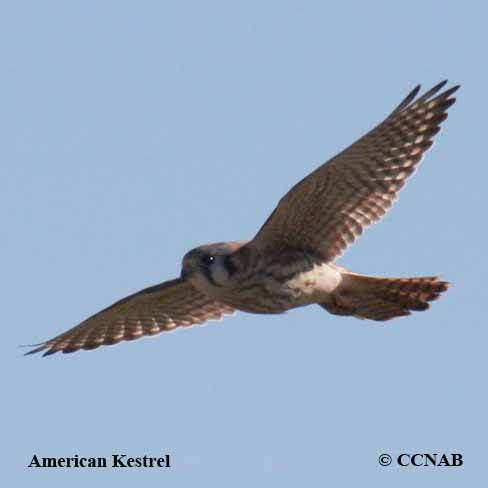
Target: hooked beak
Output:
[(185, 272)]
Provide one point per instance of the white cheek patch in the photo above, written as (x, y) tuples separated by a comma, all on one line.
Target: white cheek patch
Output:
[(219, 273)]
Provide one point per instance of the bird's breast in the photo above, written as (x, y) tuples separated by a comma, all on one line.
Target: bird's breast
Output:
[(273, 290)]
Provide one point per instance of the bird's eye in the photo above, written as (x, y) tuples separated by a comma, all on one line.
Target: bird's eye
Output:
[(208, 259)]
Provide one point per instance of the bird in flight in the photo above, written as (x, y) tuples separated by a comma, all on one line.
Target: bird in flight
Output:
[(291, 260)]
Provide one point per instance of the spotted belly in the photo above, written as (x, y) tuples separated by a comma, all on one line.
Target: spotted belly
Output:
[(277, 294), (258, 299)]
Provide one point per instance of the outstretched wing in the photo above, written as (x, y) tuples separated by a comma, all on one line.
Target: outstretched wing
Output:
[(326, 211), (160, 308)]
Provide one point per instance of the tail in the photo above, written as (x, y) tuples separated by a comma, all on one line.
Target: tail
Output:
[(368, 297)]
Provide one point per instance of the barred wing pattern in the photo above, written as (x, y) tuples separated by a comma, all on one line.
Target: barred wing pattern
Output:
[(160, 308), (326, 211)]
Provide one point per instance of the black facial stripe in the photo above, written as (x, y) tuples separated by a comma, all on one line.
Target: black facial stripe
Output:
[(209, 276), (229, 266)]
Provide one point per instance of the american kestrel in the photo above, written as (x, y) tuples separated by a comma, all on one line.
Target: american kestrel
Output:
[(291, 260)]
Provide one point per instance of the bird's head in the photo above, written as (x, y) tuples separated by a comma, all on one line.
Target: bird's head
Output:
[(210, 265)]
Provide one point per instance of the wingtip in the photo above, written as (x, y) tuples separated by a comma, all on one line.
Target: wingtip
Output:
[(37, 348), (414, 92), (34, 351), (448, 285), (411, 98), (440, 85), (49, 352)]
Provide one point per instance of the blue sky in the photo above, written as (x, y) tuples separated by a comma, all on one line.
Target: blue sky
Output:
[(133, 132)]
